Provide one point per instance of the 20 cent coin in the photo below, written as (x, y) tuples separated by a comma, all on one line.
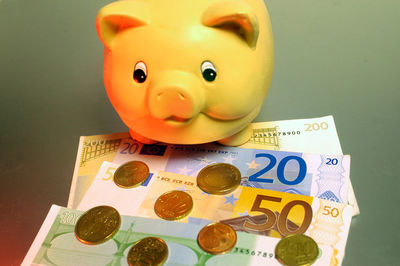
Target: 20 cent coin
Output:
[(217, 238), (173, 205), (148, 251), (97, 225), (299, 250)]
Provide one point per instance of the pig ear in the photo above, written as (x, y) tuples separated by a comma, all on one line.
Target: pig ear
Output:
[(233, 15), (118, 16)]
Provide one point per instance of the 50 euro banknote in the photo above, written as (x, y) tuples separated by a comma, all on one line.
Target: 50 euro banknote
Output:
[(249, 209), (317, 135), (56, 244)]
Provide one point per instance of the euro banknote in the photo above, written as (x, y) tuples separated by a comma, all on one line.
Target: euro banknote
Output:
[(323, 176), (248, 209), (304, 135), (320, 180), (317, 135), (56, 244)]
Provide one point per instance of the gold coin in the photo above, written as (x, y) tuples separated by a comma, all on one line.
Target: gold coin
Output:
[(173, 205), (131, 174), (219, 178), (97, 225), (296, 250), (148, 251), (217, 238)]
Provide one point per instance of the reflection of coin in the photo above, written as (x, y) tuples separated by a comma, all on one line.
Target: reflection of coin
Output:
[(97, 225), (296, 250), (173, 205), (131, 174), (148, 251), (219, 178), (217, 238)]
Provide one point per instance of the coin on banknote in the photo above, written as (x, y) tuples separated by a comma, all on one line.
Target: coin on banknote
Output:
[(97, 225), (148, 251), (131, 174), (296, 250), (173, 205), (219, 178), (217, 238)]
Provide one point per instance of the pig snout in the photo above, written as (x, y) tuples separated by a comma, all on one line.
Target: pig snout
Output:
[(176, 95)]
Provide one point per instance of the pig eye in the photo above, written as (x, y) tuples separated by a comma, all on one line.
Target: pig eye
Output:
[(140, 73), (208, 70)]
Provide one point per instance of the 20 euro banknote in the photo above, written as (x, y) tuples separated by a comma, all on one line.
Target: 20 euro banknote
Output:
[(317, 135), (322, 176)]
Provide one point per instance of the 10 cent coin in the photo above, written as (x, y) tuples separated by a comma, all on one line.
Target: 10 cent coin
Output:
[(219, 178), (131, 174)]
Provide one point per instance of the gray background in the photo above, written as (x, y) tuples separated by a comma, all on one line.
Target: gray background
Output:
[(338, 57)]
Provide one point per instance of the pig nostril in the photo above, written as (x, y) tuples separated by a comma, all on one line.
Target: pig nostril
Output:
[(159, 96)]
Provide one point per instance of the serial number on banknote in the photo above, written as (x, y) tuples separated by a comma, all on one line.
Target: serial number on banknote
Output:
[(257, 253)]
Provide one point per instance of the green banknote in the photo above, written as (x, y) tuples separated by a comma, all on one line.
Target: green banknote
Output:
[(56, 244)]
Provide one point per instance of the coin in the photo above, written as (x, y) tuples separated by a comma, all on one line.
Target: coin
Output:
[(219, 178), (173, 205), (131, 174), (217, 238), (296, 250), (148, 251), (97, 225)]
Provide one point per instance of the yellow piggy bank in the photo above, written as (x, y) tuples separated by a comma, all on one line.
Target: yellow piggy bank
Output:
[(184, 71)]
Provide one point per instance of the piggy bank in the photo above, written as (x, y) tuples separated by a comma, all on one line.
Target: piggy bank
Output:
[(184, 71)]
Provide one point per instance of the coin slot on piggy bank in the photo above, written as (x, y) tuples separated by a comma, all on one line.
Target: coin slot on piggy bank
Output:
[(187, 72)]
